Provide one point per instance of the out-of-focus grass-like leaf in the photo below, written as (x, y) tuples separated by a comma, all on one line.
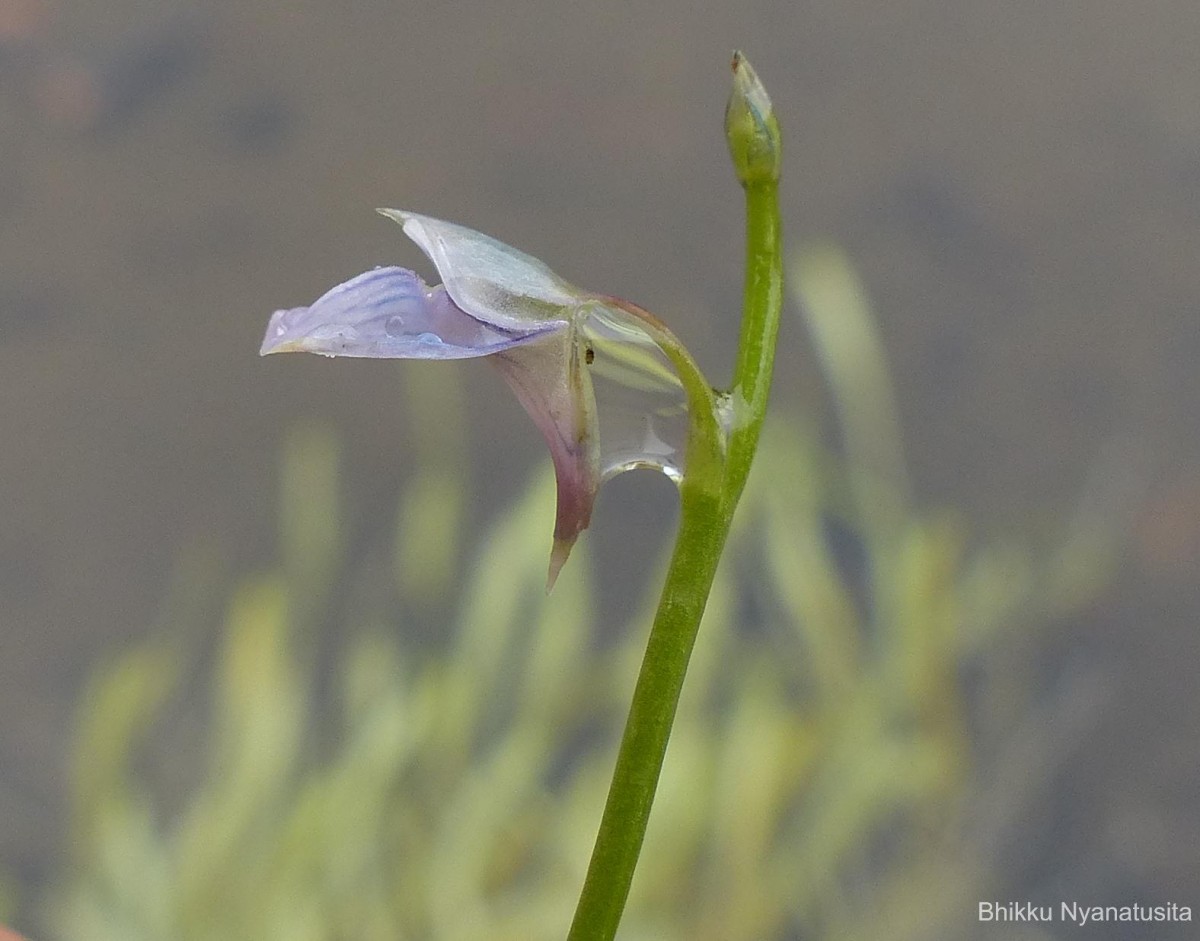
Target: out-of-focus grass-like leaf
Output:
[(432, 506), (819, 608), (429, 520), (500, 599), (846, 338), (310, 526), (121, 705), (257, 736)]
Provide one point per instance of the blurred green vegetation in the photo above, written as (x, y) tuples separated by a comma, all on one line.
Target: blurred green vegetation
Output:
[(832, 773)]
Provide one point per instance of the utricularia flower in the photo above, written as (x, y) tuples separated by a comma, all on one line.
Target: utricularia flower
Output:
[(561, 350)]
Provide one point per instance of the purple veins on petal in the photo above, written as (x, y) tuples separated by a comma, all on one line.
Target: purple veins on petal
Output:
[(388, 313)]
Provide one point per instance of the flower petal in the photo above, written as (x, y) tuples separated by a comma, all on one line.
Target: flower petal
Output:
[(550, 379), (488, 279), (386, 313)]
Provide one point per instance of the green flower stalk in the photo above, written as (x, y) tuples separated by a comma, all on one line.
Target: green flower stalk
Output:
[(708, 496), (610, 388)]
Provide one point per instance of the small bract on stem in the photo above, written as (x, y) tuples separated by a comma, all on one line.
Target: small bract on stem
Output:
[(610, 388)]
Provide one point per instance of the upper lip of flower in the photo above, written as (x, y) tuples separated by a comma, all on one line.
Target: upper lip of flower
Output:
[(540, 331)]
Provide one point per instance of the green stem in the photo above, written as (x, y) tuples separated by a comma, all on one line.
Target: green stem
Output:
[(716, 474), (703, 526), (762, 302)]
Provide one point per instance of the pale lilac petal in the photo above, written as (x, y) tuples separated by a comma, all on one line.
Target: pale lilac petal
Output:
[(388, 313), (486, 278)]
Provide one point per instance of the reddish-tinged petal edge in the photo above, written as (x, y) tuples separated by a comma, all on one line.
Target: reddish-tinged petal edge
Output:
[(548, 379)]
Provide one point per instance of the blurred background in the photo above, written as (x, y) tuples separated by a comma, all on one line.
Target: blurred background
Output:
[(1017, 187)]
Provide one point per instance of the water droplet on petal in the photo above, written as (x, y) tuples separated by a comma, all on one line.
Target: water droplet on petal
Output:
[(640, 402), (432, 339), (333, 331), (394, 326)]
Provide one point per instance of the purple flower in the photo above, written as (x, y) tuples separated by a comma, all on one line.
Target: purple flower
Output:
[(561, 350)]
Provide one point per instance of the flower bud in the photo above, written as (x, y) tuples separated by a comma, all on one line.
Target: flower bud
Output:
[(751, 128)]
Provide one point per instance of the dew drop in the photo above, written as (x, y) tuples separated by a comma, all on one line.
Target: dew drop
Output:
[(432, 339), (334, 331), (394, 326)]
